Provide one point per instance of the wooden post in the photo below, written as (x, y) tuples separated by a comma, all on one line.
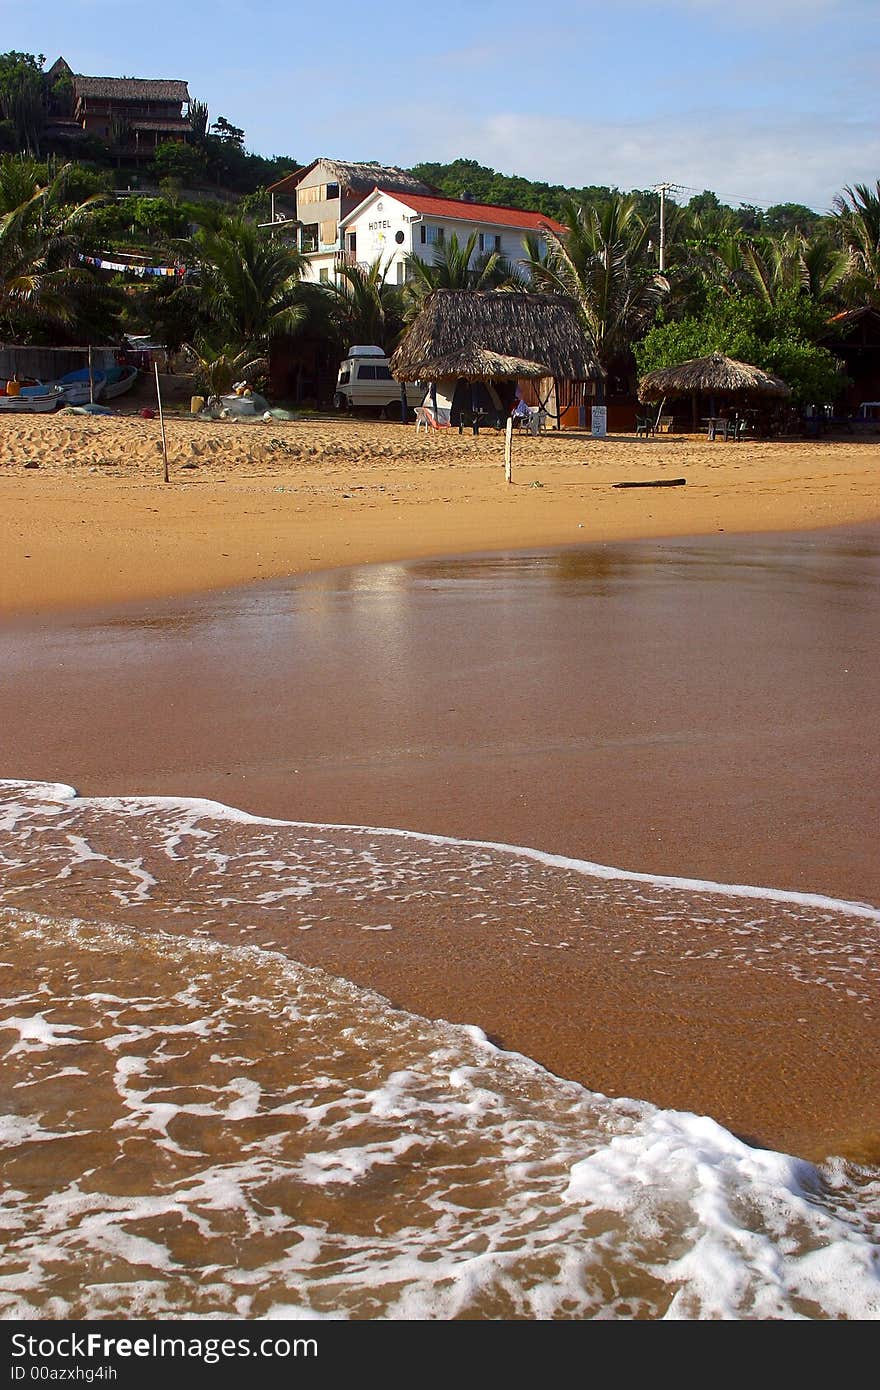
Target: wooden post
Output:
[(161, 420), (508, 449), (91, 378)]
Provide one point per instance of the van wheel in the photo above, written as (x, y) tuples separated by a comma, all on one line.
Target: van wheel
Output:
[(339, 402), (392, 411)]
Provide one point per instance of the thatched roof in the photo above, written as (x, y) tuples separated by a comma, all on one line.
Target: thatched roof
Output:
[(713, 375), (486, 334), (473, 363), (367, 176), (130, 88), (355, 178)]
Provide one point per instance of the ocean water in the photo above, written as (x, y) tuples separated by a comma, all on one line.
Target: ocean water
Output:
[(197, 1124)]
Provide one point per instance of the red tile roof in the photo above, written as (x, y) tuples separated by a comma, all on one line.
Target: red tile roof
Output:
[(491, 213)]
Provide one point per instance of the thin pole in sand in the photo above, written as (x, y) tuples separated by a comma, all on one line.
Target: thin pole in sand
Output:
[(161, 420), (508, 449), (91, 378)]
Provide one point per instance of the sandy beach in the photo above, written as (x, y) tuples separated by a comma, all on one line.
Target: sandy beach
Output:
[(94, 526), (94, 523)]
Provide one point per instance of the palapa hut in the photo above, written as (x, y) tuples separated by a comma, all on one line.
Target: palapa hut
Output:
[(711, 376), (472, 344)]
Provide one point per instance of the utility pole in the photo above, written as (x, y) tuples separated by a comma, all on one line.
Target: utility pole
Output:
[(663, 189)]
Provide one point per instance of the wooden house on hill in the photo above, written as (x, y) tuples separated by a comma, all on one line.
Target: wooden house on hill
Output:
[(136, 114)]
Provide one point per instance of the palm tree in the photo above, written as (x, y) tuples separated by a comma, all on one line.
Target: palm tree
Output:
[(602, 263), (773, 266), (457, 267), (218, 368), (364, 307), (42, 283), (250, 284), (858, 215)]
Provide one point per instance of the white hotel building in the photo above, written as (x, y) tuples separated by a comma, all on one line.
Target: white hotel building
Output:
[(393, 226), (358, 212)]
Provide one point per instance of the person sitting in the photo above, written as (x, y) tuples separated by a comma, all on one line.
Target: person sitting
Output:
[(521, 413)]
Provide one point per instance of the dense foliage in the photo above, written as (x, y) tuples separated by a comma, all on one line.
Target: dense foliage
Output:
[(779, 337)]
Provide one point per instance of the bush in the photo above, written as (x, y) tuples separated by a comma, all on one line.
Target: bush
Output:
[(178, 161), (779, 338)]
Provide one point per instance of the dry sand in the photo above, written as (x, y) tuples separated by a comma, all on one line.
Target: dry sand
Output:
[(94, 522)]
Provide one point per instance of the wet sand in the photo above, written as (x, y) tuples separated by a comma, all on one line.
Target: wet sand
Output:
[(701, 709)]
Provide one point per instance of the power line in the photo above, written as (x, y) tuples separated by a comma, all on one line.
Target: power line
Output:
[(726, 197)]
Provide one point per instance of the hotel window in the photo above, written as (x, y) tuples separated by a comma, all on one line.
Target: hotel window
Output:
[(498, 243), (431, 236), (308, 238), (324, 275), (332, 191)]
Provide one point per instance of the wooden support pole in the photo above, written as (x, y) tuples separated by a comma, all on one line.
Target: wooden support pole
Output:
[(161, 420), (508, 449), (91, 378)]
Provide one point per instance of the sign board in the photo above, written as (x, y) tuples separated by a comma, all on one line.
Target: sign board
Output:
[(599, 417)]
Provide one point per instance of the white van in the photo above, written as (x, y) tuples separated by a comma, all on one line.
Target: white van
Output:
[(365, 380)]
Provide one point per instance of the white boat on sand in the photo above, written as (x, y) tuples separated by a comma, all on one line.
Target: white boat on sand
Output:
[(76, 388), (118, 381), (32, 399)]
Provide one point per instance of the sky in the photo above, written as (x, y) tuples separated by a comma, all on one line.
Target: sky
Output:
[(763, 101)]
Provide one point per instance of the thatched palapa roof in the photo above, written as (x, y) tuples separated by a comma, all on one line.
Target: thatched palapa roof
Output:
[(355, 178), (130, 88), (495, 334), (713, 375)]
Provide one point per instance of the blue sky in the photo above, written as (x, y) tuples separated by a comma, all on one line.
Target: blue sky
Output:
[(762, 100)]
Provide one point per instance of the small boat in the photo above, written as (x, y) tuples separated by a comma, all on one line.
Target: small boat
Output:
[(33, 399), (118, 381), (75, 386), (244, 407)]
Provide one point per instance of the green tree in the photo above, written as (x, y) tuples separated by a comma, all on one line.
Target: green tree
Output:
[(227, 133), (792, 217), (250, 284), (217, 369), (857, 211), (43, 285), (174, 160), (603, 263), (23, 98), (365, 308), (774, 267), (779, 337), (457, 267)]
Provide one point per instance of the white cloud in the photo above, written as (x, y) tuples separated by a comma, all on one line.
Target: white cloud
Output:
[(759, 157)]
